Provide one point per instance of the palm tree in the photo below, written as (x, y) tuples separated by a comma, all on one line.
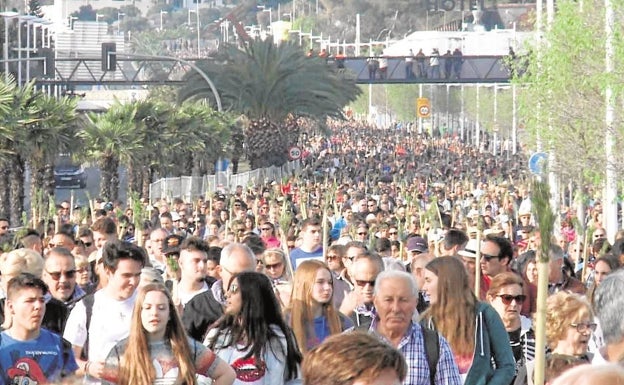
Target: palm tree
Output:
[(111, 139), (150, 122), (273, 85), (50, 132), (7, 90)]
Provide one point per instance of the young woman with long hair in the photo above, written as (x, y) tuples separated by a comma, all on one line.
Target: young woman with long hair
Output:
[(312, 315), (473, 329), (158, 350), (252, 335)]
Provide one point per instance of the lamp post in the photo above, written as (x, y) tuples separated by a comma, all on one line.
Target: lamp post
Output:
[(196, 12), (98, 16), (7, 15), (119, 15), (30, 22), (161, 18)]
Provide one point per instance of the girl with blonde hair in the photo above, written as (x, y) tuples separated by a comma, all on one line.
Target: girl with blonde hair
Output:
[(312, 314), (158, 350)]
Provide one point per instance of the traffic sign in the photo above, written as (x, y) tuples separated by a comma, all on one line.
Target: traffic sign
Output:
[(423, 107), (294, 153), (537, 163)]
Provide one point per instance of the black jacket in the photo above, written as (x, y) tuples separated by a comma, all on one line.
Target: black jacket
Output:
[(199, 313)]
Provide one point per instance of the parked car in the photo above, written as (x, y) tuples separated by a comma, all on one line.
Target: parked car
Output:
[(68, 174)]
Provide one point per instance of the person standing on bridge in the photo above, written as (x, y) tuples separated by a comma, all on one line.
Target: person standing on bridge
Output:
[(434, 63), (409, 65), (458, 61), (422, 69)]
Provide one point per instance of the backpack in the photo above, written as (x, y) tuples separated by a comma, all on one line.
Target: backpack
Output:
[(432, 348)]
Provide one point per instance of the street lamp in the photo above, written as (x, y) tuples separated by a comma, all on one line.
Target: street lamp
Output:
[(98, 16), (119, 15), (29, 22), (196, 10), (161, 18), (7, 15)]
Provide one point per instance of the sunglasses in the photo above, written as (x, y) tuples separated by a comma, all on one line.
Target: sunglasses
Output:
[(362, 283), (393, 233), (362, 233), (508, 298), (266, 229), (56, 275), (488, 257), (331, 257), (273, 266)]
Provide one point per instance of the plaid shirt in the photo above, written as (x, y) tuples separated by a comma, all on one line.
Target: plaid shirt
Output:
[(412, 345)]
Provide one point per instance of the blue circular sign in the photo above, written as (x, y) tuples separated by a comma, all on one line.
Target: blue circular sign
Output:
[(537, 162)]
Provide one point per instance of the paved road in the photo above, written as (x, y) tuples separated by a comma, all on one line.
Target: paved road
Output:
[(81, 196)]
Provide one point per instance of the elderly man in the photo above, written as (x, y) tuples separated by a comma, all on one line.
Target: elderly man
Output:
[(359, 303), (59, 273), (609, 302), (396, 297)]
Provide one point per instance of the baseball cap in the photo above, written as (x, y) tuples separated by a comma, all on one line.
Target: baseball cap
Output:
[(417, 244)]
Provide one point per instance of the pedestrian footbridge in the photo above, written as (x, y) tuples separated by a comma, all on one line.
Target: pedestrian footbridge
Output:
[(449, 69)]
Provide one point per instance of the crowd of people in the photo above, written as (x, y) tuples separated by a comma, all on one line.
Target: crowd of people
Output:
[(360, 270)]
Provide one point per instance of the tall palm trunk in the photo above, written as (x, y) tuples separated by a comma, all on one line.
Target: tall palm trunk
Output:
[(5, 198), (109, 184), (16, 189), (147, 173), (38, 193)]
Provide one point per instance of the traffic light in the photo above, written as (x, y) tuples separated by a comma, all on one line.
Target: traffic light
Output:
[(109, 56)]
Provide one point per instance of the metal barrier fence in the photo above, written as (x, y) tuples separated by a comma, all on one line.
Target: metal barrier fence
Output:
[(191, 187)]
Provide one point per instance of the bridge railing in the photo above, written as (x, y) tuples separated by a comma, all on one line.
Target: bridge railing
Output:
[(412, 69), (191, 187)]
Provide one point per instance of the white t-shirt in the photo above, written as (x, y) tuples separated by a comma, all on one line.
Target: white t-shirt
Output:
[(110, 323), (186, 296)]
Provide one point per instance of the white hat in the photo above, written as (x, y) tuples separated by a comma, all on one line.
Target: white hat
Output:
[(470, 251)]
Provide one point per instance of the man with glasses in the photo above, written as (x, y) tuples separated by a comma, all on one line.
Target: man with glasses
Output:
[(59, 273), (365, 270), (86, 236), (496, 256), (61, 240)]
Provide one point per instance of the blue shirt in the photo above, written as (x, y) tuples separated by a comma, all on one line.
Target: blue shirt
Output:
[(41, 360), (412, 345), (297, 256)]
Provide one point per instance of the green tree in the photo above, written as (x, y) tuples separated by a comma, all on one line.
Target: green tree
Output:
[(49, 131), (562, 96), (273, 86), (7, 130), (34, 8), (111, 139)]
